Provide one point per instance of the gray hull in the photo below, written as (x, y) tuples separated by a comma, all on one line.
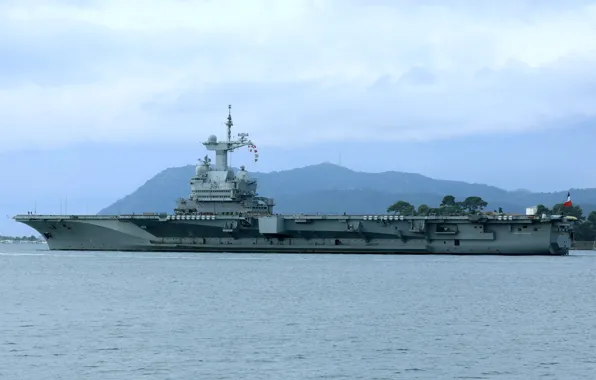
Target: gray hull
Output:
[(382, 234)]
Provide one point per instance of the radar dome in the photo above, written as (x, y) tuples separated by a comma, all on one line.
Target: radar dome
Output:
[(242, 175), (212, 139), (202, 169)]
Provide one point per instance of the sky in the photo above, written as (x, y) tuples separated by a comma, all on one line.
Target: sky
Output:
[(97, 96)]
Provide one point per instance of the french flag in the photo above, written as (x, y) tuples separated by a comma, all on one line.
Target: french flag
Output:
[(568, 203)]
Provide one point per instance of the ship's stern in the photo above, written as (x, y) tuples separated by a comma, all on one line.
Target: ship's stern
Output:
[(562, 236)]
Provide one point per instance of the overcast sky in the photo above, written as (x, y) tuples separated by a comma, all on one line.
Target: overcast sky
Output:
[(114, 70), (101, 82)]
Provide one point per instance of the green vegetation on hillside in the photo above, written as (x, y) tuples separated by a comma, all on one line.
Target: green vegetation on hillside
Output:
[(448, 206), (328, 188)]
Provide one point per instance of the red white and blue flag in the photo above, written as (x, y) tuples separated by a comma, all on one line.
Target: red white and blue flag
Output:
[(568, 203)]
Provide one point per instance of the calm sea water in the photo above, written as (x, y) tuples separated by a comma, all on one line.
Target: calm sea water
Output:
[(216, 316)]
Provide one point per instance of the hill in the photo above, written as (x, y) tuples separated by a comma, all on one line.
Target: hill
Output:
[(329, 188)]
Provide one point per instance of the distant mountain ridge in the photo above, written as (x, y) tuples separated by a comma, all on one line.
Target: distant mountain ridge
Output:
[(329, 188)]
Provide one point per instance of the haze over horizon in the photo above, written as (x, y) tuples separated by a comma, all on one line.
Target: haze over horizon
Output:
[(97, 96)]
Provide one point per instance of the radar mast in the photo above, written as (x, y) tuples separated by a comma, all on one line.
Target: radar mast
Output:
[(229, 123), (223, 148)]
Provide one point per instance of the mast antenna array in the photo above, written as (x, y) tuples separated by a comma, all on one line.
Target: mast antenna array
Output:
[(229, 123)]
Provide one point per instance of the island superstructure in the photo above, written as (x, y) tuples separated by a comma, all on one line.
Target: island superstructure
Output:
[(223, 213)]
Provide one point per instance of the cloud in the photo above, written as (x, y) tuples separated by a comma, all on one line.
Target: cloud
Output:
[(109, 70)]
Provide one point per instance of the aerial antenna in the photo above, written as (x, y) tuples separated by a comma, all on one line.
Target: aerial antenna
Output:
[(229, 123)]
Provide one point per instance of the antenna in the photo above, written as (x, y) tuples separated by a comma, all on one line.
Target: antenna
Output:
[(229, 123)]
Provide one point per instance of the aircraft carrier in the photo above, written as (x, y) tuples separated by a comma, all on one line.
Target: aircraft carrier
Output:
[(224, 214)]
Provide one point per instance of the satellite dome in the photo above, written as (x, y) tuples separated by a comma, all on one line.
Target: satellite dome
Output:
[(242, 175), (202, 169), (212, 139)]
